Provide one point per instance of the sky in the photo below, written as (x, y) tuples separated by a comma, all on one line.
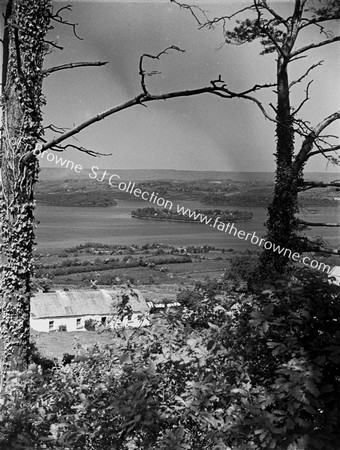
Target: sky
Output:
[(201, 133)]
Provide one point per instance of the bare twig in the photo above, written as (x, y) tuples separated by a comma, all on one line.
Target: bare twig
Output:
[(324, 150), (89, 152), (304, 100), (318, 224), (57, 18), (311, 46), (72, 66), (311, 138), (55, 129), (305, 74), (142, 72), (53, 44), (139, 100), (192, 10), (279, 18), (218, 87), (317, 20)]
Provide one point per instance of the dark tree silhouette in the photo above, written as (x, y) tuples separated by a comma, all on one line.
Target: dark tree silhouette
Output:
[(278, 34)]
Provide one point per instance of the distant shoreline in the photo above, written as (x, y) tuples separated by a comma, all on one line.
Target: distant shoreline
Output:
[(184, 220), (53, 173)]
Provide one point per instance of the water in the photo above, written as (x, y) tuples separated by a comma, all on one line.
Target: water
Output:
[(62, 227)]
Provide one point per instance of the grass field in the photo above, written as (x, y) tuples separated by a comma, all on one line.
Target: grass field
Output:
[(56, 344)]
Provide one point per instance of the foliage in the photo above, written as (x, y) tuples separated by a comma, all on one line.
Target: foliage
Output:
[(255, 371), (244, 267), (90, 325)]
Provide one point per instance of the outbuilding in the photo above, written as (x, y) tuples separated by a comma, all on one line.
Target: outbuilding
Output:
[(334, 274)]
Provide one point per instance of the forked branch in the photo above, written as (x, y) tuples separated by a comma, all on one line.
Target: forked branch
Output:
[(58, 18), (93, 153), (144, 74), (313, 66), (217, 87), (311, 138)]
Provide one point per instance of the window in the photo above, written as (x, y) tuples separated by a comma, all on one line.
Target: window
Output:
[(103, 320), (78, 323), (51, 324)]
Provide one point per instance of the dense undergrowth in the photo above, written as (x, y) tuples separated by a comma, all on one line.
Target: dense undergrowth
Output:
[(257, 370)]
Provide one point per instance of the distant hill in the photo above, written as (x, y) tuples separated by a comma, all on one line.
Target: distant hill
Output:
[(55, 174), (60, 187)]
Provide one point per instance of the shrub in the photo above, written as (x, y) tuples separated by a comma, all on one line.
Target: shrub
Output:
[(90, 325), (244, 267), (248, 372)]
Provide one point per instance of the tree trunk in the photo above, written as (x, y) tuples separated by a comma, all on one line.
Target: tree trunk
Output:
[(282, 224), (27, 23)]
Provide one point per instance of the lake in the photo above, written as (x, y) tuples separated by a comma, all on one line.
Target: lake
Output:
[(62, 227)]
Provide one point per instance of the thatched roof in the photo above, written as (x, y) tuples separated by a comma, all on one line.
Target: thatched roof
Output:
[(83, 303)]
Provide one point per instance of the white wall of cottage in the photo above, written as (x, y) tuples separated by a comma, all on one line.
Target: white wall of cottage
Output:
[(78, 323)]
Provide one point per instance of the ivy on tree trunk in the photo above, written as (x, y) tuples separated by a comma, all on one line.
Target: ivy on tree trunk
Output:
[(26, 25), (282, 225)]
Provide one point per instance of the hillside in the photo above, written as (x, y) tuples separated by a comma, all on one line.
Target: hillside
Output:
[(216, 188)]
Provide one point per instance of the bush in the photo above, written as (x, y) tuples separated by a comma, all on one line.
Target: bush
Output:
[(253, 372), (90, 325), (244, 268)]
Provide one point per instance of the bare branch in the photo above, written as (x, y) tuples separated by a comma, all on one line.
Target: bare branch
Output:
[(57, 18), (89, 152), (326, 122), (305, 74), (258, 87), (221, 90), (304, 100), (53, 44), (328, 250), (311, 138), (320, 247), (142, 72), (318, 224), (318, 184), (66, 8), (317, 20), (297, 58), (139, 100), (192, 10), (210, 23), (327, 33), (218, 87), (324, 150), (55, 129), (311, 46), (279, 18), (72, 66)]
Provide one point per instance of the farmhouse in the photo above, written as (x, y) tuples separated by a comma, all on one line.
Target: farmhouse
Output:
[(52, 311)]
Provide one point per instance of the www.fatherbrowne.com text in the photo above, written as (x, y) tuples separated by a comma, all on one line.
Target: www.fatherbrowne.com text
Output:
[(154, 198)]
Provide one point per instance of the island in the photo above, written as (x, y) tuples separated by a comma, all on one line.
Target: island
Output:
[(196, 216)]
